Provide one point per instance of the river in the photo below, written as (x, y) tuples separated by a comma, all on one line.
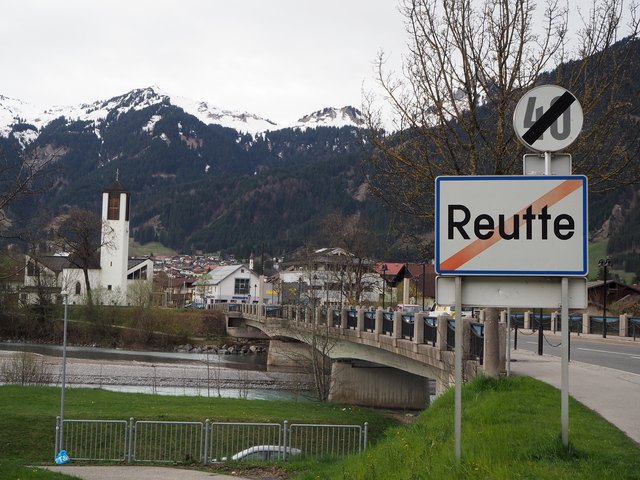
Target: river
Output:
[(166, 373)]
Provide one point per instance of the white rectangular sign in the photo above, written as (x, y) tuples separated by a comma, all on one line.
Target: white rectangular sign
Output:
[(511, 225), (512, 292)]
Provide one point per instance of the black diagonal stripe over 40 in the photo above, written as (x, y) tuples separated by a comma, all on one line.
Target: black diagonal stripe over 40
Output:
[(550, 116)]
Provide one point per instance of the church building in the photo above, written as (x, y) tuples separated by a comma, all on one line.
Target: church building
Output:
[(111, 274)]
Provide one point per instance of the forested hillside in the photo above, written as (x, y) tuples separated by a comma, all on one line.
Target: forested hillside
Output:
[(204, 187)]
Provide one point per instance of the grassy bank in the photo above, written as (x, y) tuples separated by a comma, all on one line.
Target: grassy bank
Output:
[(27, 423), (511, 430)]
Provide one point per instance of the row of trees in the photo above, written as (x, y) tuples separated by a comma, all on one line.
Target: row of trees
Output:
[(468, 63)]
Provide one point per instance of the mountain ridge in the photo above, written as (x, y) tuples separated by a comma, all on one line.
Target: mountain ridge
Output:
[(15, 112)]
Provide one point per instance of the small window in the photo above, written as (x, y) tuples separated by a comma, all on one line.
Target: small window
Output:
[(109, 287), (113, 210), (78, 288), (242, 286)]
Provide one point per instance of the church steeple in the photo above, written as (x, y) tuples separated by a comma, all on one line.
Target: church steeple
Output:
[(114, 253)]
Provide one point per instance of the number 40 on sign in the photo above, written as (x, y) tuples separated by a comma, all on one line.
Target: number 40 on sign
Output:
[(547, 118)]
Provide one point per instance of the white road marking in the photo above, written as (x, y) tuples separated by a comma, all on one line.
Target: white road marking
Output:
[(632, 355)]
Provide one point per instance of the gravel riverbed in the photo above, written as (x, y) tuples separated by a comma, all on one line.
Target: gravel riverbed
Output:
[(151, 376)]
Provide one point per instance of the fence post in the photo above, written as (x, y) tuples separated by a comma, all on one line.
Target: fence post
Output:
[(360, 321), (207, 424), (344, 320), (366, 434), (418, 329), (284, 438), (586, 323), (57, 447), (130, 442), (378, 325), (397, 327), (624, 325)]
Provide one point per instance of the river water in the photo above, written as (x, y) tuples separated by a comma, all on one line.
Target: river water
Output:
[(166, 373)]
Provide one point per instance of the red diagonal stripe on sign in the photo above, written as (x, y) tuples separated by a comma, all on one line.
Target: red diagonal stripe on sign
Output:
[(478, 246)]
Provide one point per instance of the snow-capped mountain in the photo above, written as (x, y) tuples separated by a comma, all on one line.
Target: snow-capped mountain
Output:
[(31, 119), (332, 117)]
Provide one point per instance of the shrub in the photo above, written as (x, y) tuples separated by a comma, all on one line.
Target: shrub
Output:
[(26, 369)]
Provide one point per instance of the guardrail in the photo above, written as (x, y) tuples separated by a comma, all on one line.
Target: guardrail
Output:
[(146, 441)]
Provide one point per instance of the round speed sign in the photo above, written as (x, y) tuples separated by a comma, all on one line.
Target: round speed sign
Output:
[(547, 118)]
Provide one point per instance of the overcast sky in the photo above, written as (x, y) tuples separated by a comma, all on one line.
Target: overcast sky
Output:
[(280, 59)]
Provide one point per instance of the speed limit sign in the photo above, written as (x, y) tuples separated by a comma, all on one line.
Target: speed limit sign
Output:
[(547, 118)]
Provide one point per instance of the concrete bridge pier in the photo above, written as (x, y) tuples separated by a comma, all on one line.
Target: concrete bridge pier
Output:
[(377, 386)]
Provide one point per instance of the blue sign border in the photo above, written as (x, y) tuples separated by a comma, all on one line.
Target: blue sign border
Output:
[(536, 273)]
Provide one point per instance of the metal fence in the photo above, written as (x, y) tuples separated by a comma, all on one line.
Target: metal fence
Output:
[(167, 442), (227, 439), (596, 324), (634, 327), (369, 321), (101, 440), (430, 334), (201, 442), (387, 323)]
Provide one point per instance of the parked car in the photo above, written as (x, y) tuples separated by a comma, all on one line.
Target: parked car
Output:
[(409, 308), (266, 452), (437, 310)]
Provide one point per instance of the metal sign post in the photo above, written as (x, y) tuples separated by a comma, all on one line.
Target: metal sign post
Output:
[(481, 237), (458, 369), (564, 391), (558, 121)]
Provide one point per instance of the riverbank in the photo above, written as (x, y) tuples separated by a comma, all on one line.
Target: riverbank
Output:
[(201, 375)]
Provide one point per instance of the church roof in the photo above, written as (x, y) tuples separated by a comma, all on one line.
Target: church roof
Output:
[(116, 186)]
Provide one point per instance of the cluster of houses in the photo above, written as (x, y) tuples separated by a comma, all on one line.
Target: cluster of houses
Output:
[(326, 276)]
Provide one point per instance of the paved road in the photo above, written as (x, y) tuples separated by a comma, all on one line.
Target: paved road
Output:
[(137, 473), (612, 352)]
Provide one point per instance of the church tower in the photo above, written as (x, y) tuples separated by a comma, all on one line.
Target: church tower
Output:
[(114, 253)]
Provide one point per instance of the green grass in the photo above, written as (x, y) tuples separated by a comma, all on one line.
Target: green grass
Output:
[(27, 419), (511, 430), (155, 248)]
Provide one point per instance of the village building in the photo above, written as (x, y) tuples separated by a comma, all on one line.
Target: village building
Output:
[(228, 284), (111, 273)]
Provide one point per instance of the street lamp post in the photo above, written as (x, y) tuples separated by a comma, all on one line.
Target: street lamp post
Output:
[(384, 284), (326, 291), (424, 281), (64, 372), (255, 293), (313, 290), (341, 288), (299, 288), (604, 263)]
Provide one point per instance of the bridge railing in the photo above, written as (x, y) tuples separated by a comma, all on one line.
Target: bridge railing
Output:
[(387, 323), (397, 325), (430, 333)]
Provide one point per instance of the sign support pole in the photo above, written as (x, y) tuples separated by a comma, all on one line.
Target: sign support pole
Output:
[(564, 394), (458, 369), (547, 163), (508, 341)]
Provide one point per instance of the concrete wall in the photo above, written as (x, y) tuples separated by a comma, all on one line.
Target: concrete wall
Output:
[(288, 356), (377, 386)]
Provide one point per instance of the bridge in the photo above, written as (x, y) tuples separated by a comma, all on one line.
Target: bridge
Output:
[(377, 358)]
